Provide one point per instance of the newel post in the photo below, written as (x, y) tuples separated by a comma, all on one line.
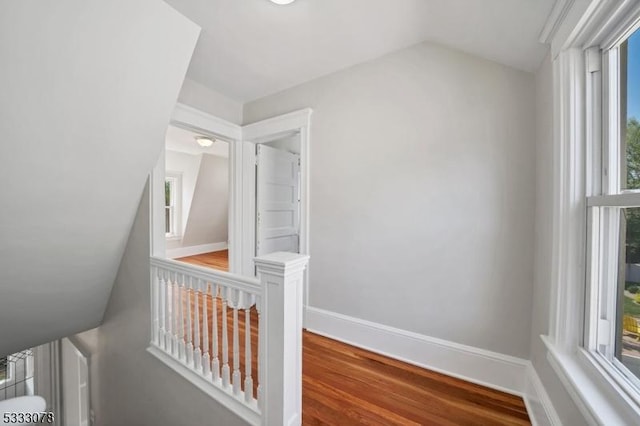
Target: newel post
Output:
[(280, 348)]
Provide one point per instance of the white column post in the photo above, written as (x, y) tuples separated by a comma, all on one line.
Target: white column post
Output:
[(281, 276)]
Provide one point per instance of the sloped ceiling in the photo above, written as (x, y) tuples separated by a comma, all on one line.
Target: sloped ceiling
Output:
[(87, 90), (252, 48)]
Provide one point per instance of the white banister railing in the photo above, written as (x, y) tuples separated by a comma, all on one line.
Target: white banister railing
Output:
[(258, 375)]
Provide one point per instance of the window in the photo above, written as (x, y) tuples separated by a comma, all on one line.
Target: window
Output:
[(172, 189), (612, 331), (4, 369), (595, 244)]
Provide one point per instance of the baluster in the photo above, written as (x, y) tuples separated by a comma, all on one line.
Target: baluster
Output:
[(159, 320), (189, 323), (181, 333), (260, 360), (168, 300), (176, 317), (206, 361), (248, 381), (197, 355), (225, 341), (154, 304), (236, 344), (215, 364)]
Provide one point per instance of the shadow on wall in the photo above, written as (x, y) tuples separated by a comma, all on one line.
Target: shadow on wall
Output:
[(204, 196), (209, 214)]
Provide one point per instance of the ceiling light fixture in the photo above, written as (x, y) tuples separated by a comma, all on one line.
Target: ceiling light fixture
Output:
[(204, 141), (282, 1)]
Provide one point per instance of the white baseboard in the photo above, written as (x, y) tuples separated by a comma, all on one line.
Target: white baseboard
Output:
[(541, 410), (494, 370), (193, 250)]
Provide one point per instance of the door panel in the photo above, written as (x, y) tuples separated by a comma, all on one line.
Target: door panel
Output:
[(277, 201)]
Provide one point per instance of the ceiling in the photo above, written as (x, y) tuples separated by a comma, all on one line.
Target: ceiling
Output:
[(182, 140), (252, 48)]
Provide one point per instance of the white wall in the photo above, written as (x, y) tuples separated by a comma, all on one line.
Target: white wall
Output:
[(129, 386), (209, 216), (422, 194), (188, 166), (87, 89), (564, 405), (200, 97), (205, 198)]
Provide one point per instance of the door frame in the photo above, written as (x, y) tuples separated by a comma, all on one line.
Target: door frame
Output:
[(190, 118), (296, 122), (47, 377), (242, 180)]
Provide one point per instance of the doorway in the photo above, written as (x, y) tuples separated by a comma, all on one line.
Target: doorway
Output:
[(286, 133), (289, 133), (221, 156), (196, 196), (278, 196)]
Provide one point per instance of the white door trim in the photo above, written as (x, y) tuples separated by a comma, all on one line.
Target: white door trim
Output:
[(47, 377), (80, 355), (190, 118), (265, 131), (242, 140)]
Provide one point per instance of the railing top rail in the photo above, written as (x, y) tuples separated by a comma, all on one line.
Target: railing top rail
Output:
[(251, 285)]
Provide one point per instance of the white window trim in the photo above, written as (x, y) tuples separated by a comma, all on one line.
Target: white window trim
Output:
[(177, 207), (601, 398)]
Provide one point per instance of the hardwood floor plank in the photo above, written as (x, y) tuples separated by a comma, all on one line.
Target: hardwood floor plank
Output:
[(408, 390), (344, 385), (342, 407), (216, 260)]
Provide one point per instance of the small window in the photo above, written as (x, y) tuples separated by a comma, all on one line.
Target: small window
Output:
[(172, 189)]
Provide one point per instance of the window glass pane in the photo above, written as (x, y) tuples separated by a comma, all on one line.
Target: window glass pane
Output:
[(167, 220), (630, 110), (3, 368), (167, 193), (628, 293)]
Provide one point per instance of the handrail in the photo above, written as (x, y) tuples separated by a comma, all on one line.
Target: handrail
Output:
[(248, 284)]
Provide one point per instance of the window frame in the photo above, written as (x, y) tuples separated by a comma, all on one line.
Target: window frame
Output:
[(578, 35), (606, 199), (175, 207)]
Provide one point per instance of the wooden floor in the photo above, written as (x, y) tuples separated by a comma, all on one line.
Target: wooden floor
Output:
[(216, 260), (345, 385)]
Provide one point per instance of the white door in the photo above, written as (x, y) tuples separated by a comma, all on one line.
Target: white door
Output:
[(75, 385), (277, 201)]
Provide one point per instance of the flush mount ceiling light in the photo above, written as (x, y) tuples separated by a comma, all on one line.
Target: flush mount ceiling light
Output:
[(204, 141), (282, 1)]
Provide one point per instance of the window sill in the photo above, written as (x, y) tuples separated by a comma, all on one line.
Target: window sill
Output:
[(597, 396), (172, 237)]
